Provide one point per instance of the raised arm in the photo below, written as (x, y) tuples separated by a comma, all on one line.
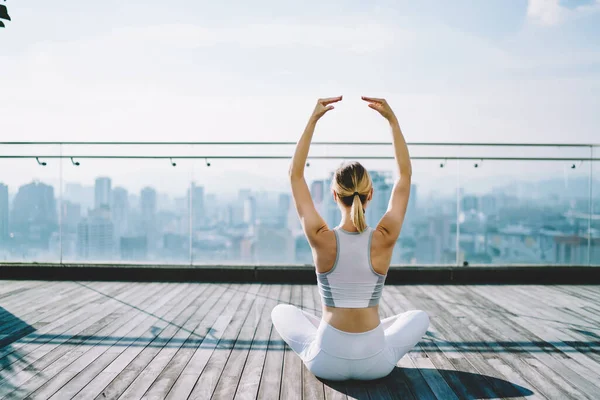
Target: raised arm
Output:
[(312, 222), (391, 222)]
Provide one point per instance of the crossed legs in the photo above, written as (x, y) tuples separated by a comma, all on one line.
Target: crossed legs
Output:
[(299, 329)]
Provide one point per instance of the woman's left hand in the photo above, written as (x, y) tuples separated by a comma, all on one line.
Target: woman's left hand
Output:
[(324, 105)]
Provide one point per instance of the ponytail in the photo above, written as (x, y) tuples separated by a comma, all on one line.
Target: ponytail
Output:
[(358, 214), (353, 186)]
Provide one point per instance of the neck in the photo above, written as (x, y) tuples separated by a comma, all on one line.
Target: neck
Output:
[(346, 223)]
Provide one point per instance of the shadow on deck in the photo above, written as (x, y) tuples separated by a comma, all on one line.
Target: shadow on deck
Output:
[(403, 382), (12, 329)]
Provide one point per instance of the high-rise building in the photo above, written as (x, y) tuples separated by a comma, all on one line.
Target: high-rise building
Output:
[(95, 237), (4, 232), (382, 186), (470, 203), (324, 203), (243, 194), (34, 215), (250, 210), (411, 217), (134, 248), (488, 204), (412, 200), (148, 215), (198, 210), (283, 208), (102, 192), (70, 216), (120, 211), (273, 245), (182, 208)]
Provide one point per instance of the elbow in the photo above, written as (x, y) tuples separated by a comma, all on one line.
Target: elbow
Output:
[(293, 173), (403, 182), (406, 176)]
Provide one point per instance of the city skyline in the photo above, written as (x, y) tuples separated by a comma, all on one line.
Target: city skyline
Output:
[(110, 222)]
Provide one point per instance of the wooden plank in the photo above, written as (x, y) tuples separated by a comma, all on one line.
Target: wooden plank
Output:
[(44, 358), (531, 336), (130, 381), (215, 325), (187, 380), (206, 384), (575, 367), (439, 357), (227, 386), (291, 380), (253, 369), (29, 308), (60, 314), (15, 296), (44, 385), (414, 379), (127, 348), (22, 325), (96, 376), (119, 374), (167, 349), (271, 378), (10, 290), (132, 324), (55, 333), (479, 317), (546, 382), (52, 363), (201, 322), (470, 361), (10, 287), (437, 383), (53, 313)]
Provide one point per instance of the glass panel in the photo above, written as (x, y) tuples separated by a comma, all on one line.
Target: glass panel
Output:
[(429, 230), (523, 212), (243, 211), (126, 210), (29, 199), (212, 210)]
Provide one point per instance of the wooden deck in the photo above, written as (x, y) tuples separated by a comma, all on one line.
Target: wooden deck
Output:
[(123, 340)]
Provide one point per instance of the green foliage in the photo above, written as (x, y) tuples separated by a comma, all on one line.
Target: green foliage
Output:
[(3, 15)]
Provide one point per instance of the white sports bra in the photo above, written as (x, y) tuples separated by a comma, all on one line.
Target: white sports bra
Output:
[(352, 282)]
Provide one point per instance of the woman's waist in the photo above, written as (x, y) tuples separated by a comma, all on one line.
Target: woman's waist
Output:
[(352, 320)]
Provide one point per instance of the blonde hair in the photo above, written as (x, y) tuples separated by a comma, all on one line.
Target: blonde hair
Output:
[(352, 183)]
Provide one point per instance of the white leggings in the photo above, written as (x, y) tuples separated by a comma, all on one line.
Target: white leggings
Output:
[(336, 355)]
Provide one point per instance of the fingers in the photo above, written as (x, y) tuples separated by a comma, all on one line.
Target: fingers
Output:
[(373, 99), (329, 108), (330, 100)]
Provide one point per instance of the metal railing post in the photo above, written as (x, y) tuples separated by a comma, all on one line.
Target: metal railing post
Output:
[(590, 207), (458, 213), (60, 207)]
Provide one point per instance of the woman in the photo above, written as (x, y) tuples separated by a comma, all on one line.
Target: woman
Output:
[(352, 261)]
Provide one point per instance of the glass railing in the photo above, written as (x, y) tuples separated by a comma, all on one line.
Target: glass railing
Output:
[(230, 203)]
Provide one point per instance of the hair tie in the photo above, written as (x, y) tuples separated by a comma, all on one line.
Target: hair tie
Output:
[(356, 194)]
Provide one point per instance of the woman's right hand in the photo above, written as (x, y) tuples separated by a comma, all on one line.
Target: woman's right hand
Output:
[(323, 105), (381, 106)]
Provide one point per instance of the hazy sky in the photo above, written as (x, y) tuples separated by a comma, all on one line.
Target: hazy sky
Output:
[(491, 71)]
